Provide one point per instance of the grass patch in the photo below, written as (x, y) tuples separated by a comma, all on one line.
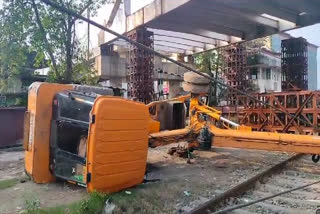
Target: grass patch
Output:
[(159, 197), (32, 204), (4, 184), (136, 202), (94, 204), (63, 209)]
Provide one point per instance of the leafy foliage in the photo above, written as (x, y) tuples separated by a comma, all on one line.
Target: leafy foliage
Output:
[(211, 62), (31, 28), (14, 48)]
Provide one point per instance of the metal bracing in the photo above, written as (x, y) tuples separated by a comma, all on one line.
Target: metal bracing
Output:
[(235, 70), (216, 37), (300, 104), (140, 66), (294, 63)]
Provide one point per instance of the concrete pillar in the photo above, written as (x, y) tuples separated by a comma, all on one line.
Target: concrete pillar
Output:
[(175, 89), (116, 82)]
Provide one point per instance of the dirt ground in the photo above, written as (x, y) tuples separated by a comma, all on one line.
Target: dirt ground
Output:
[(181, 187), (14, 199)]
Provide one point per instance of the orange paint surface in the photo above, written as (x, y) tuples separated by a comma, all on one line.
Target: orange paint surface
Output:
[(40, 110), (117, 144)]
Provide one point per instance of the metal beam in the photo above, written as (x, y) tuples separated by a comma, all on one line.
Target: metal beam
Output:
[(127, 7), (179, 41), (169, 50), (113, 12), (173, 45), (167, 46), (198, 23), (186, 48), (194, 29), (191, 37)]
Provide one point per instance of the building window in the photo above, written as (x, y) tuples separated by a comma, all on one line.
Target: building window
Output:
[(268, 73), (253, 73)]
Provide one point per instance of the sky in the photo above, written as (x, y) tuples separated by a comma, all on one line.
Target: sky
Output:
[(103, 14)]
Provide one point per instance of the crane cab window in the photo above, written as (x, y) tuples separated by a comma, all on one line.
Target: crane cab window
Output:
[(69, 131)]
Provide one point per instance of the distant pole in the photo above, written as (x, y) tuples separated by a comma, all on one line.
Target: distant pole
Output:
[(88, 51), (127, 7)]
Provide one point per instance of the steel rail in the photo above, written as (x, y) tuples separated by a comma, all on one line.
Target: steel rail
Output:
[(242, 187), (228, 210), (74, 14)]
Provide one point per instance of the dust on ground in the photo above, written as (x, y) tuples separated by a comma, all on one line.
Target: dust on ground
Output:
[(181, 187), (14, 199), (211, 173)]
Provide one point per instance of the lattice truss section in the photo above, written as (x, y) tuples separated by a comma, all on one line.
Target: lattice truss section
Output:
[(235, 70), (140, 66), (302, 104), (294, 64)]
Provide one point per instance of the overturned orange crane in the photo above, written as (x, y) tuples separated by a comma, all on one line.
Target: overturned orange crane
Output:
[(101, 142)]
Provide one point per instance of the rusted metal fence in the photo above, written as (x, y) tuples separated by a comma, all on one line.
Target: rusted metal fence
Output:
[(11, 126)]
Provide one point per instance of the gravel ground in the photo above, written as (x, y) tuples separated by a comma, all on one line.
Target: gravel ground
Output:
[(181, 187), (298, 173)]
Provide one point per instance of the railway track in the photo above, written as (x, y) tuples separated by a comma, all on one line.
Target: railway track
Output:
[(294, 172)]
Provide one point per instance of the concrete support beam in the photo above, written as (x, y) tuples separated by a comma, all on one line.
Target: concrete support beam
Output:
[(211, 37), (179, 41), (168, 50), (198, 24), (208, 24), (193, 29), (176, 45), (151, 11)]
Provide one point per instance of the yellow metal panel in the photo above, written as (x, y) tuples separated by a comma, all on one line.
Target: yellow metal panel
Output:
[(117, 144), (153, 126), (266, 141), (40, 112)]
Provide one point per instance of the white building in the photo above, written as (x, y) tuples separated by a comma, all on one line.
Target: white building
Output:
[(265, 65), (265, 71)]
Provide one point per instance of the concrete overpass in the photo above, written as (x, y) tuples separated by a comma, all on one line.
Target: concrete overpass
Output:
[(186, 27), (190, 26)]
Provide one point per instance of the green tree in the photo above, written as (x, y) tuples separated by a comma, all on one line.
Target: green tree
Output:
[(14, 47), (30, 25), (211, 62)]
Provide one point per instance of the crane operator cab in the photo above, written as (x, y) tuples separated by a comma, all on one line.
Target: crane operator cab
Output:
[(99, 142)]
